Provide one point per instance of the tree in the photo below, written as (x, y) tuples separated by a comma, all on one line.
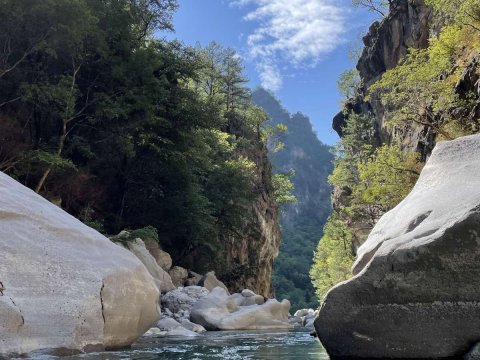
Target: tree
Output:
[(349, 83), (379, 6), (333, 258), (283, 187), (386, 178), (420, 90), (462, 12)]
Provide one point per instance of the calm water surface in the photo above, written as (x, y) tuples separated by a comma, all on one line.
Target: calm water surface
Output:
[(228, 345)]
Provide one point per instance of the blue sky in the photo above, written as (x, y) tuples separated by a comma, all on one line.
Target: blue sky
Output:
[(296, 48)]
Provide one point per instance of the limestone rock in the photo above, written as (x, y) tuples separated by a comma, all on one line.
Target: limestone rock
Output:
[(295, 321), (171, 327), (180, 301), (155, 332), (178, 275), (182, 332), (387, 42), (167, 324), (253, 300), (163, 259), (161, 277), (210, 281), (187, 324), (247, 293), (415, 294), (63, 285), (218, 311)]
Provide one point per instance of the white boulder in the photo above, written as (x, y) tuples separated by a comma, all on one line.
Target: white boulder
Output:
[(161, 277), (63, 285), (218, 311)]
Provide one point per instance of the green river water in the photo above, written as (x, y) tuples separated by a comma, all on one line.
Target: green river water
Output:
[(229, 345)]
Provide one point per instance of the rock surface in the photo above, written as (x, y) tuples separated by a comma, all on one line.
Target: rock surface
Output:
[(178, 275), (210, 281), (163, 259), (218, 311), (171, 327), (416, 294), (387, 42), (63, 285), (180, 301), (161, 277)]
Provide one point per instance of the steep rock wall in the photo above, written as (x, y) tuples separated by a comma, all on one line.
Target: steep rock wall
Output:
[(248, 256), (386, 45)]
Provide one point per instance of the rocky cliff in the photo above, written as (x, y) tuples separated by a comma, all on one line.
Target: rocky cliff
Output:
[(387, 42), (247, 256)]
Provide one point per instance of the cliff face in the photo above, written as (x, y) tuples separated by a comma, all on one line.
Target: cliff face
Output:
[(301, 222), (386, 45), (248, 256), (387, 42), (407, 26)]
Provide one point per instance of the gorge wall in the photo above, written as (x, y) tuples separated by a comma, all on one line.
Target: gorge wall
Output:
[(386, 45), (247, 256), (410, 292), (302, 221)]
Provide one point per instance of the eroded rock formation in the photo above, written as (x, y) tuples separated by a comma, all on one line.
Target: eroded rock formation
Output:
[(219, 311), (63, 285), (415, 294)]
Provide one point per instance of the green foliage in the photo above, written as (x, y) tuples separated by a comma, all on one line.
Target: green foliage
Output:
[(386, 178), (333, 258), (462, 12), (146, 233), (354, 148), (348, 83), (380, 7), (420, 90), (283, 187), (377, 179), (128, 130)]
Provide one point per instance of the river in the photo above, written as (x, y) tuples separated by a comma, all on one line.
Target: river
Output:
[(229, 345)]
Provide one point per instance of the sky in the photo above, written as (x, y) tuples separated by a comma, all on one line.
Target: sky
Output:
[(295, 48)]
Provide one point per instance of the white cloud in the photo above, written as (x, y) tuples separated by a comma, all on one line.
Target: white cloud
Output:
[(293, 32), (270, 75)]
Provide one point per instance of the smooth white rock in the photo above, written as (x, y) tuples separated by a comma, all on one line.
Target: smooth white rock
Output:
[(64, 285)]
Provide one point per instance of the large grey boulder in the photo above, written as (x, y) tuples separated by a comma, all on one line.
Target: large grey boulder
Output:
[(416, 292), (63, 285), (161, 277), (179, 302), (219, 311)]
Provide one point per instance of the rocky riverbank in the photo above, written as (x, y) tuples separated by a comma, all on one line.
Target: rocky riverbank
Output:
[(193, 303), (65, 288)]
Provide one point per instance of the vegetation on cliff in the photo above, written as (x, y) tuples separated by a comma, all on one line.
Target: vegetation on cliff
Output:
[(124, 130), (432, 93)]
